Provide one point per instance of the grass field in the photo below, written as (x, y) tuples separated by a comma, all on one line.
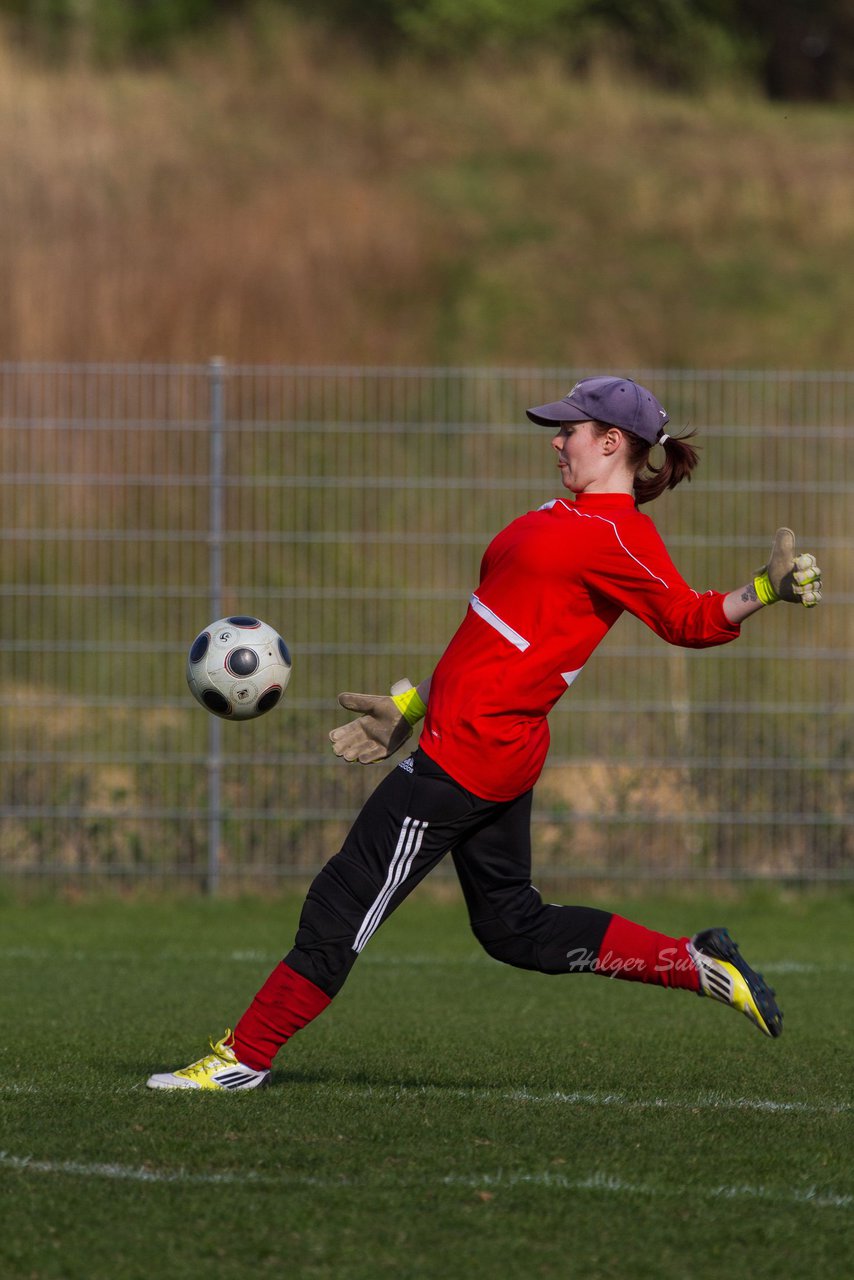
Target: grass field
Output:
[(445, 1117)]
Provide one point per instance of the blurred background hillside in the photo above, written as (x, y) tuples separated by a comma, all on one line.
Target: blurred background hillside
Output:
[(620, 184)]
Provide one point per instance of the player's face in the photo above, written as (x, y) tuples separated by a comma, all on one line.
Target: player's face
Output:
[(579, 455)]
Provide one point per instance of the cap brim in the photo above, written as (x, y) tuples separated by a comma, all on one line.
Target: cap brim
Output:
[(560, 411)]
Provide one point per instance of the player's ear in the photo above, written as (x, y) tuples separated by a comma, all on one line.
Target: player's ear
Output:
[(611, 440)]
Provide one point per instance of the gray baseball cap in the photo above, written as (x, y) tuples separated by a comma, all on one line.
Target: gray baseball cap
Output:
[(617, 401)]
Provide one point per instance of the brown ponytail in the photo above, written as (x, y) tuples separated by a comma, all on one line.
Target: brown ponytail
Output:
[(680, 459)]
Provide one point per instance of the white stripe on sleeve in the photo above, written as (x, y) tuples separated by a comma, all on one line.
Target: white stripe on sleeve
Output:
[(503, 628)]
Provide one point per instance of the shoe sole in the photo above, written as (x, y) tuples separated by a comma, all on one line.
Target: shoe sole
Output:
[(155, 1082), (719, 945)]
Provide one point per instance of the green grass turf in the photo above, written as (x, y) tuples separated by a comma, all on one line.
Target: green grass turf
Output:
[(446, 1117)]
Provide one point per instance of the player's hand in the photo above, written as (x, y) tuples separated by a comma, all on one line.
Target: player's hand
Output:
[(382, 728), (796, 579)]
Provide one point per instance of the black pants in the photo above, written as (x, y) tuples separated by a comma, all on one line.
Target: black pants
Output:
[(417, 814)]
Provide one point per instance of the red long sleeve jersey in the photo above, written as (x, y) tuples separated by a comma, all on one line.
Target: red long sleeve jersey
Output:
[(552, 585)]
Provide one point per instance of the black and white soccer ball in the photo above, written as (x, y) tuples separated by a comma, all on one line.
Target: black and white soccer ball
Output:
[(238, 668)]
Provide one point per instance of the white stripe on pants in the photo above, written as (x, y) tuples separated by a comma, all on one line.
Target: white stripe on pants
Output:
[(408, 845)]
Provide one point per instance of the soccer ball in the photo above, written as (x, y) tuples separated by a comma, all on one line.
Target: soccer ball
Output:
[(238, 668)]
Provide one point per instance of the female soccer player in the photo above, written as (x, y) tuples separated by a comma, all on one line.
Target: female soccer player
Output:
[(551, 586)]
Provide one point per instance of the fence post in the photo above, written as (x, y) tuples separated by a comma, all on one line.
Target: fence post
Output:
[(215, 536)]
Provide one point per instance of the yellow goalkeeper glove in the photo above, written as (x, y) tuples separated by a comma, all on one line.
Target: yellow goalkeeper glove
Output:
[(796, 579), (385, 724)]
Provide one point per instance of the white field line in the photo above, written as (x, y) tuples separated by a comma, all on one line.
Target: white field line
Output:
[(702, 1102), (402, 1093), (601, 1183), (415, 961), (119, 1172), (705, 1102)]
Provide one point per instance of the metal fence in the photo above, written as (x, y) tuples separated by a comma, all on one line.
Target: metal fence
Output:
[(350, 507)]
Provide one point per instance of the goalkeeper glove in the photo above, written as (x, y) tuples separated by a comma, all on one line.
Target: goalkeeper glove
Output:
[(787, 577), (383, 727)]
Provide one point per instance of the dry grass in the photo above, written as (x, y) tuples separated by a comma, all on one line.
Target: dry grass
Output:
[(297, 204), (174, 216)]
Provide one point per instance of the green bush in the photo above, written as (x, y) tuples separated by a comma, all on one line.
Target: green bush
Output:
[(106, 31), (789, 48), (675, 41)]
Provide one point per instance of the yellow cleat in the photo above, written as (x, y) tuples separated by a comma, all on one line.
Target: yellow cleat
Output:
[(219, 1070), (726, 976)]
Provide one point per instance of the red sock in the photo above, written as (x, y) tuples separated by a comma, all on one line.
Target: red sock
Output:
[(637, 954), (285, 1003)]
